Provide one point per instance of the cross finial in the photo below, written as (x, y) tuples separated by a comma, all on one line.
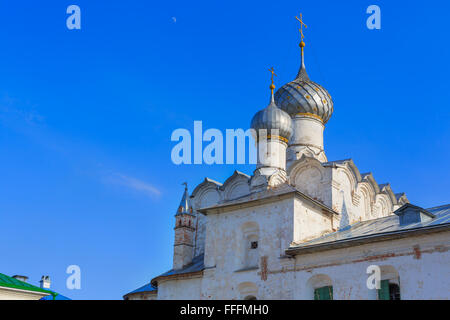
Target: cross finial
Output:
[(301, 25), (272, 86), (185, 185)]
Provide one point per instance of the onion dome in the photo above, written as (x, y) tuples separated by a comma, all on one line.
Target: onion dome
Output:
[(273, 118), (305, 97)]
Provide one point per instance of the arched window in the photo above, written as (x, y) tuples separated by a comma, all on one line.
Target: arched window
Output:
[(320, 287), (323, 293), (389, 285), (249, 245), (248, 291)]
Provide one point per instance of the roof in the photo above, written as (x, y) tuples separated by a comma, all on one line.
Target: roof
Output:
[(57, 296), (149, 288), (185, 205), (10, 282), (256, 197), (374, 228), (197, 265)]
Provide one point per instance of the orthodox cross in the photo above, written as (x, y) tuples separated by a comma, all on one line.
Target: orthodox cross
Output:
[(301, 25), (272, 86)]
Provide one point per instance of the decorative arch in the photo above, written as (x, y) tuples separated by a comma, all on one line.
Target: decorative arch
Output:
[(317, 282), (368, 177), (367, 195), (206, 194), (308, 175), (206, 183), (383, 205), (248, 245), (248, 291), (390, 288), (236, 186), (386, 189)]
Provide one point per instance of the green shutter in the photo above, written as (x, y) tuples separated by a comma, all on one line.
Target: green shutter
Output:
[(383, 292), (324, 293)]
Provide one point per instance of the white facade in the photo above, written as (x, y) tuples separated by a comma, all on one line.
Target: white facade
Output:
[(18, 294), (251, 232), (279, 218)]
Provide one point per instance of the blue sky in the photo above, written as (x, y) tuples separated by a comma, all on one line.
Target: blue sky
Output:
[(86, 116)]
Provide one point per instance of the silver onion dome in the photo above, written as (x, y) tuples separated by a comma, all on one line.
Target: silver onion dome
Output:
[(303, 96), (273, 118)]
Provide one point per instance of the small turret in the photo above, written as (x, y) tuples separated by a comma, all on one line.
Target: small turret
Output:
[(184, 233)]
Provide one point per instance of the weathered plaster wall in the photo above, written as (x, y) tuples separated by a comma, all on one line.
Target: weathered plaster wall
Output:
[(186, 289), (143, 296), (341, 187), (16, 294), (309, 222), (225, 248), (421, 264)]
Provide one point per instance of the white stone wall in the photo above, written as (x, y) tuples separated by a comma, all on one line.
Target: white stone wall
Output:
[(143, 296), (420, 262), (307, 139), (225, 246), (16, 294), (342, 188), (234, 272), (309, 222), (186, 289)]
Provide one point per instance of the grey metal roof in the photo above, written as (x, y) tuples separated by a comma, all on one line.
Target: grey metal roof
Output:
[(145, 288), (440, 211), (331, 163), (275, 121), (255, 198), (379, 226), (185, 205), (304, 96), (399, 195), (196, 266)]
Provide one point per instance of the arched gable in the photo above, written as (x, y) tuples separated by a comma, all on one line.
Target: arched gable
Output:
[(383, 205), (401, 199), (386, 189), (236, 186), (206, 194), (368, 177), (308, 176), (367, 197)]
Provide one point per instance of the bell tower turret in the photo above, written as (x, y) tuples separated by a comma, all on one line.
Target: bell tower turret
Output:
[(183, 250)]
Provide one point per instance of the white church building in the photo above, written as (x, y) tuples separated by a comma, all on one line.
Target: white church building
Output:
[(303, 226)]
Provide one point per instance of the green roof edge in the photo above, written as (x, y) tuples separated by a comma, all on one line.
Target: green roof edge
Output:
[(25, 287)]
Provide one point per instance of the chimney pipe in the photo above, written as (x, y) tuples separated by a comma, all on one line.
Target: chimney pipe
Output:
[(20, 278), (45, 282)]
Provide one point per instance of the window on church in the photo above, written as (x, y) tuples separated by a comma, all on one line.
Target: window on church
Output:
[(249, 246), (323, 293), (250, 298), (388, 291)]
